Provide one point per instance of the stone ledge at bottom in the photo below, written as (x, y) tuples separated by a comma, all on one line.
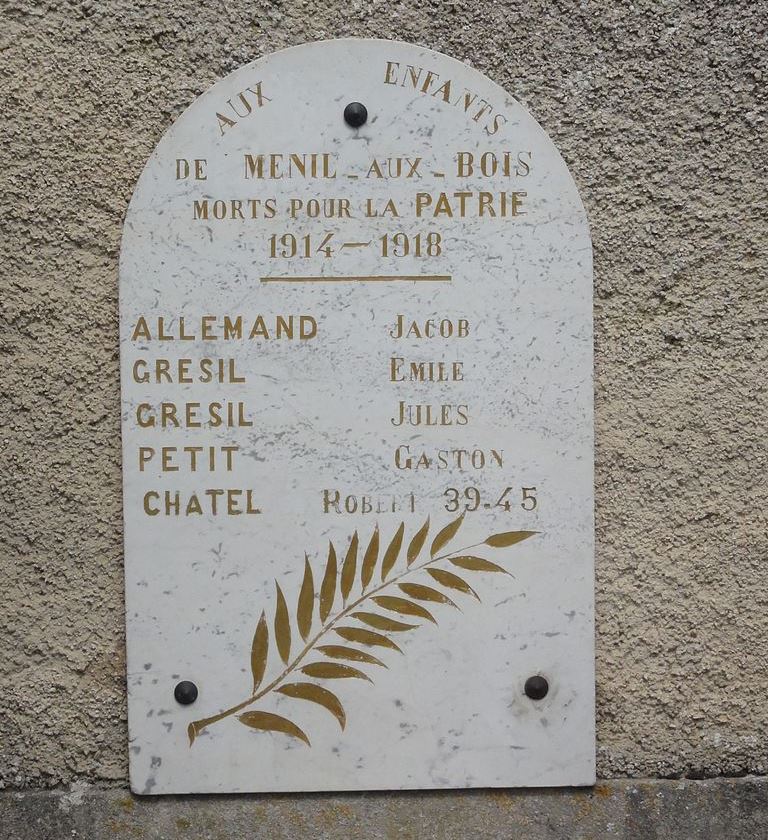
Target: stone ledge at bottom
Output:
[(711, 809)]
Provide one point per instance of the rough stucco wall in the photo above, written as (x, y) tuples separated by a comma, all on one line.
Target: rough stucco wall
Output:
[(659, 109)]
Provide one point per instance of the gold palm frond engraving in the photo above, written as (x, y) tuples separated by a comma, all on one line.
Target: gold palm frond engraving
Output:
[(403, 604)]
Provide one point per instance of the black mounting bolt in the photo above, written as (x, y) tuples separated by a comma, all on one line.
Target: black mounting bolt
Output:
[(536, 687), (185, 692), (355, 114)]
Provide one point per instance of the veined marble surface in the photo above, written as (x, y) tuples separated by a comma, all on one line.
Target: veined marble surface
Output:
[(280, 317)]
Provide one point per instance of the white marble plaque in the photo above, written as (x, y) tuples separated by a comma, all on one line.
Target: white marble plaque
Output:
[(357, 436)]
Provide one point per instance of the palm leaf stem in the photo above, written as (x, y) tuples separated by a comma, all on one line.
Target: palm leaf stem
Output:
[(197, 726)]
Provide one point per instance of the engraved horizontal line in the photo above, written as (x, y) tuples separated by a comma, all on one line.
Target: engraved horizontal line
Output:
[(356, 244), (376, 278)]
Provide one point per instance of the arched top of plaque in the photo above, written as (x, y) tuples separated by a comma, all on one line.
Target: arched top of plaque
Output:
[(356, 360), (291, 102)]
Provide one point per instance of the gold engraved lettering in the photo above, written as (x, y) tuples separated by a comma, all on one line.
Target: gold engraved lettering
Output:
[(186, 371), (419, 414), (466, 204), (430, 328), (402, 371), (207, 210), (396, 167), (192, 415), (335, 501), (315, 208), (275, 167), (214, 501), (184, 169), (430, 83), (387, 210), (446, 459), (492, 164), (241, 106), (226, 328), (169, 456)]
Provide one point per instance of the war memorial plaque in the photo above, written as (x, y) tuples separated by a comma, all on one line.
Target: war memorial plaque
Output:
[(356, 345)]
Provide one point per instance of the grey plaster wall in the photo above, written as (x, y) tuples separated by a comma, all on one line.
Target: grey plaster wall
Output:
[(659, 109)]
